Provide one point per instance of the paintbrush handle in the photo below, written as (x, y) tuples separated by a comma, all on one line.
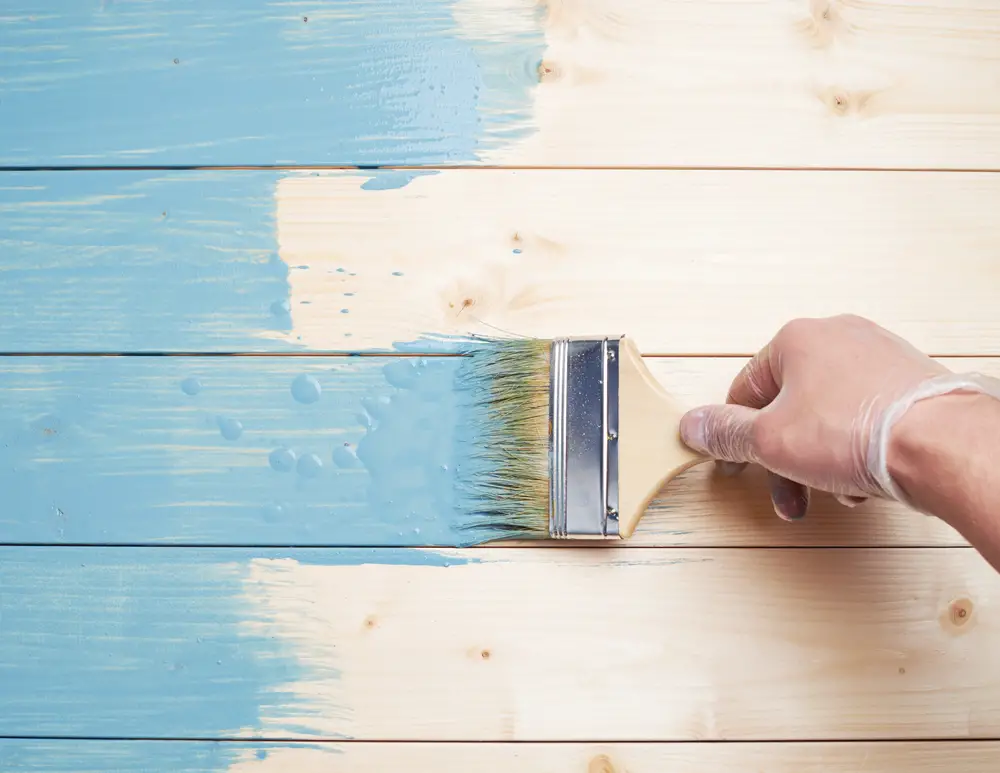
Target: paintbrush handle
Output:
[(650, 449)]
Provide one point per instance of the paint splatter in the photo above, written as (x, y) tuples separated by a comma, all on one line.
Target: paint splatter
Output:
[(231, 429), (306, 389), (191, 386), (345, 457), (309, 466), (282, 459)]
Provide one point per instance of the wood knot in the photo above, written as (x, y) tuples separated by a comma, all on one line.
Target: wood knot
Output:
[(485, 654), (601, 764), (960, 612), (370, 622), (548, 72)]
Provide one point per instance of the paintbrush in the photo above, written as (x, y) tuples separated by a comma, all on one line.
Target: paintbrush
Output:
[(569, 438)]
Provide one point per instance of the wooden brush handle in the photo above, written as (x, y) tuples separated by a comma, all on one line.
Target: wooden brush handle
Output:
[(650, 449)]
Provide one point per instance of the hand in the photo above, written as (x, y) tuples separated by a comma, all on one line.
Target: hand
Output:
[(814, 407)]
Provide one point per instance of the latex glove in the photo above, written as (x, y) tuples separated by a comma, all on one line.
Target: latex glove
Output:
[(816, 406)]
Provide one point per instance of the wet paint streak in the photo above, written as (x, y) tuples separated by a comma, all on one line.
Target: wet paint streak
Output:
[(342, 451), (61, 756), (140, 261), (249, 82), (158, 643)]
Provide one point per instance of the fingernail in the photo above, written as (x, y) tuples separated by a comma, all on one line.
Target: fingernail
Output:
[(790, 500), (730, 469), (849, 501), (693, 429)]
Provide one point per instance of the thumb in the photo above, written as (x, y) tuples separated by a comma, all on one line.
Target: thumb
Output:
[(723, 432)]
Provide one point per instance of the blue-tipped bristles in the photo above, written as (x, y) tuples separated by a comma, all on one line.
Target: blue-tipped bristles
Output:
[(503, 489)]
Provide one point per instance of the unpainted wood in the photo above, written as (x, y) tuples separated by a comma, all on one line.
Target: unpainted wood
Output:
[(265, 451), (500, 645), (62, 756), (683, 262)]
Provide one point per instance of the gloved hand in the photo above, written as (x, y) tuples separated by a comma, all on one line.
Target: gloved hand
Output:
[(816, 407)]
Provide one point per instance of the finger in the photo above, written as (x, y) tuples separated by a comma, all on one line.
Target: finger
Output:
[(757, 383), (723, 432), (790, 499)]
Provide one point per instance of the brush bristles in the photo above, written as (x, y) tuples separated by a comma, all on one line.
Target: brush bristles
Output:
[(503, 388)]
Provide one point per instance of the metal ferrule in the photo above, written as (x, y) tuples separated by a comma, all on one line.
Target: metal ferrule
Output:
[(583, 442)]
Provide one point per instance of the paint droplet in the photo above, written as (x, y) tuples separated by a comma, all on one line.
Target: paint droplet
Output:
[(306, 389), (344, 456), (397, 273), (345, 311), (262, 754), (280, 308), (517, 252), (231, 429), (273, 512), (191, 386), (376, 407), (416, 530), (341, 270), (348, 295), (177, 61), (282, 459), (309, 466), (400, 373)]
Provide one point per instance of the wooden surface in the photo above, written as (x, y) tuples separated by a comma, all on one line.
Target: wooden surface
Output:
[(233, 563)]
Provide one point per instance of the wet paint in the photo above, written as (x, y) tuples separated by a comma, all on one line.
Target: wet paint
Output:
[(269, 451), (140, 261), (247, 82), (161, 642), (88, 756)]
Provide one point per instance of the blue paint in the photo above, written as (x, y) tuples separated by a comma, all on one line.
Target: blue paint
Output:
[(306, 389), (153, 642), (86, 756), (89, 263), (397, 273), (191, 386), (517, 251), (369, 82), (392, 179), (345, 311), (230, 429), (309, 466), (110, 450), (282, 460)]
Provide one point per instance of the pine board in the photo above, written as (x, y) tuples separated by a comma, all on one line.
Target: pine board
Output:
[(60, 756), (499, 645), (603, 82), (684, 262), (230, 450)]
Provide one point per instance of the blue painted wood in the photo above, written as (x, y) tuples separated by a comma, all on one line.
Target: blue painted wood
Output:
[(75, 756), (232, 450), (249, 82), (140, 261), (152, 643)]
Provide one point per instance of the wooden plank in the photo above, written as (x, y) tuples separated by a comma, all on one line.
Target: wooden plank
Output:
[(602, 82), (230, 450), (59, 756), (499, 645), (685, 262)]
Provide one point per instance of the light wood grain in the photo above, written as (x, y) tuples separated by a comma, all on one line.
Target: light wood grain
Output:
[(683, 262), (178, 450), (565, 82), (54, 756), (500, 645)]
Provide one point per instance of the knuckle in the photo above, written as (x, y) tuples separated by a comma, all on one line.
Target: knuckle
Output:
[(767, 438)]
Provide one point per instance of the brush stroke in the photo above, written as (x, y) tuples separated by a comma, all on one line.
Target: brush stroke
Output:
[(232, 450), (254, 82), (163, 643)]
